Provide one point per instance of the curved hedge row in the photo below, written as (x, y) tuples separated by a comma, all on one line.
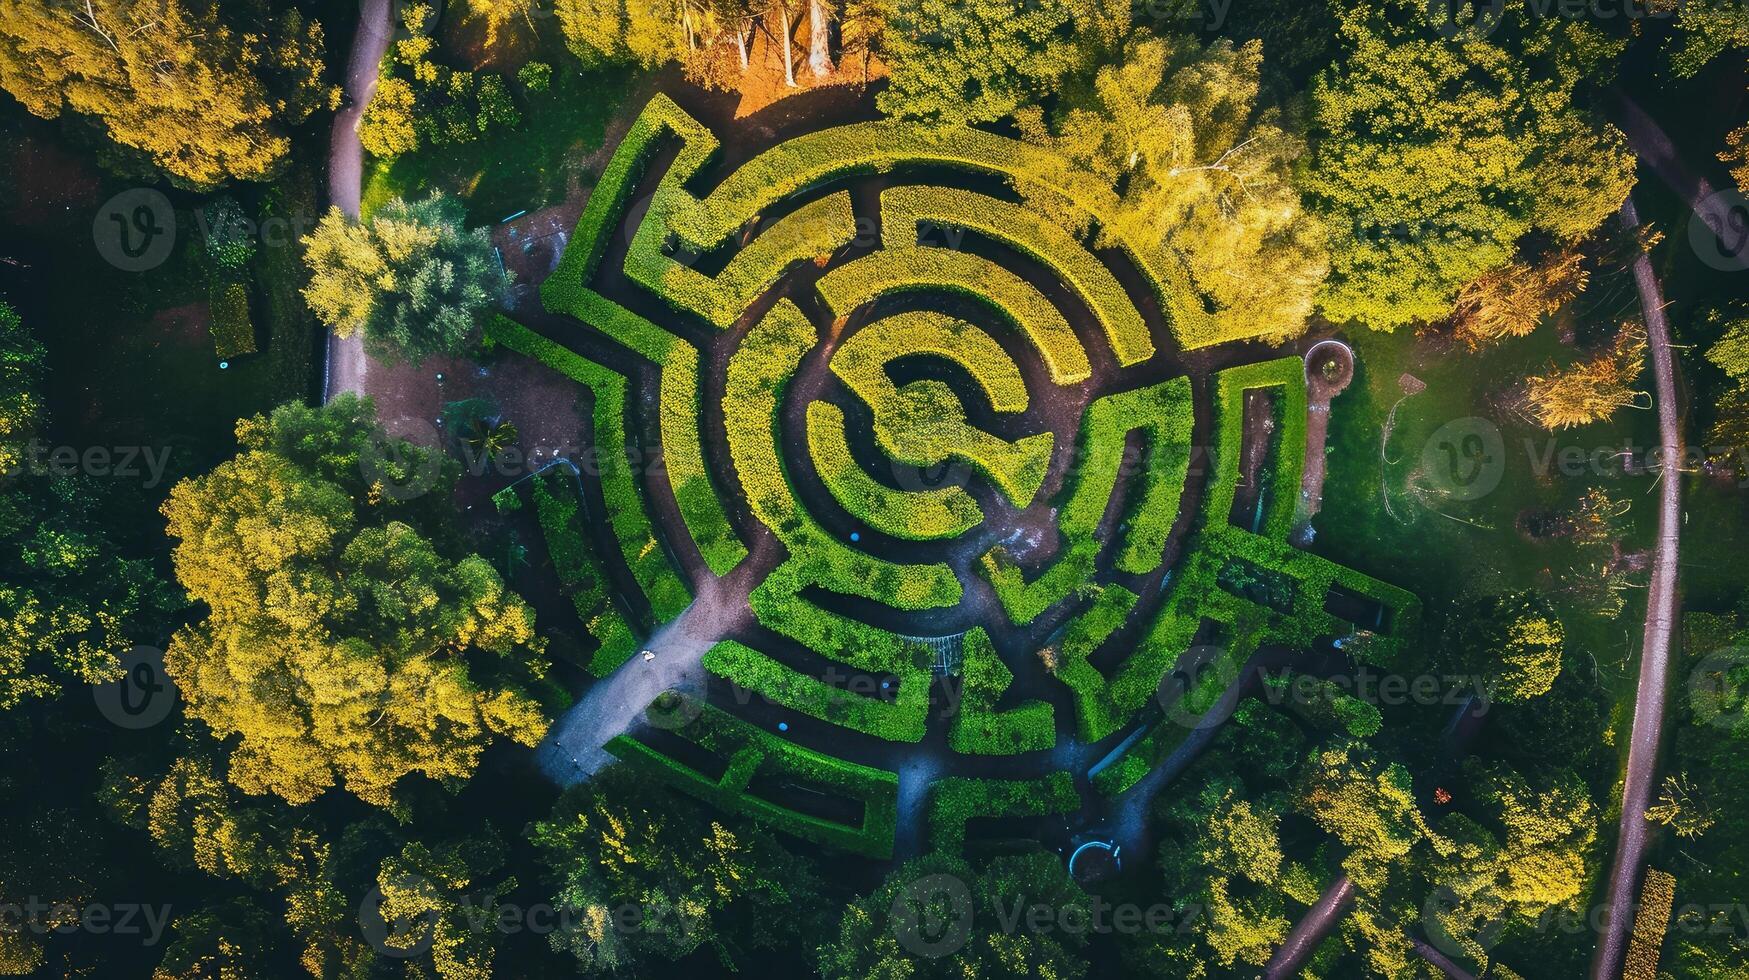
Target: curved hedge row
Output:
[(813, 159), (755, 671), (644, 555), (902, 208), (897, 269), (979, 728), (701, 508), (928, 515), (816, 229), (862, 358), (1095, 714), (751, 752), (757, 375), (581, 575)]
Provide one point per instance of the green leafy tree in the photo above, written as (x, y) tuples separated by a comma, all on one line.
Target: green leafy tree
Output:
[(203, 94), (228, 940), (411, 278), (446, 899), (341, 642), (1203, 170), (70, 603), (957, 63), (1705, 29), (1513, 641), (1434, 156), (649, 877), (938, 917)]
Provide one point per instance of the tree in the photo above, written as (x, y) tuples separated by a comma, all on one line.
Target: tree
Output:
[(602, 32), (225, 940), (1513, 641), (1368, 804), (1705, 29), (1680, 809), (1434, 156), (341, 642), (1512, 300), (411, 278), (819, 31), (1203, 171), (203, 94), (938, 917), (70, 602), (959, 63), (443, 909), (1591, 390), (649, 877)]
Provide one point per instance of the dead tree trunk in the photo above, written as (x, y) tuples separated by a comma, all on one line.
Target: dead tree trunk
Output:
[(819, 21)]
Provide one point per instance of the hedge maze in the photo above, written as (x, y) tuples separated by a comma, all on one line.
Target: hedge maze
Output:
[(809, 385)]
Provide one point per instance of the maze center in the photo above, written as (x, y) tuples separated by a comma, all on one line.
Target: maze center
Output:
[(954, 476)]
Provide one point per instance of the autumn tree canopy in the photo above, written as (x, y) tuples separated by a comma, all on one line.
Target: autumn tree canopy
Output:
[(345, 640)]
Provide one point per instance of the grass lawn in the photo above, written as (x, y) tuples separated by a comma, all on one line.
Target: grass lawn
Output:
[(527, 169)]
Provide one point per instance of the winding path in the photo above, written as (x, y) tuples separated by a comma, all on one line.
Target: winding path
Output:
[(347, 362), (1647, 733)]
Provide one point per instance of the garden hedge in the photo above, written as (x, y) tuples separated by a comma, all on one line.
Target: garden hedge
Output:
[(927, 515), (580, 573), (753, 751), (979, 728), (893, 270), (667, 594), (904, 208), (955, 801), (755, 671), (862, 359)]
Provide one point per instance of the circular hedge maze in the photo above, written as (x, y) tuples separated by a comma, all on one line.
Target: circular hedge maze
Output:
[(899, 382)]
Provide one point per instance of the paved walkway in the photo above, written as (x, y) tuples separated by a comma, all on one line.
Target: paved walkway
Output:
[(347, 362)]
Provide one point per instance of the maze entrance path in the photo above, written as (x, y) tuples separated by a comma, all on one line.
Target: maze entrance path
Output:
[(863, 392)]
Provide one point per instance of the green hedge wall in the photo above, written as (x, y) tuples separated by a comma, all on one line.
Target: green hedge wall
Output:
[(757, 672), (955, 800), (580, 573), (928, 515), (979, 728), (752, 751)]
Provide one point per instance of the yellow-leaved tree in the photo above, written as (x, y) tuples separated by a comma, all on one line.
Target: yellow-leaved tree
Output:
[(203, 95), (343, 643)]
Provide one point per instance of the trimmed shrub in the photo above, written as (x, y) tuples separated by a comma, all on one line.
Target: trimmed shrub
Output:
[(922, 516), (667, 594), (753, 670), (902, 208), (979, 728), (581, 575), (862, 359), (955, 801), (232, 329), (701, 508), (752, 751), (897, 269)]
